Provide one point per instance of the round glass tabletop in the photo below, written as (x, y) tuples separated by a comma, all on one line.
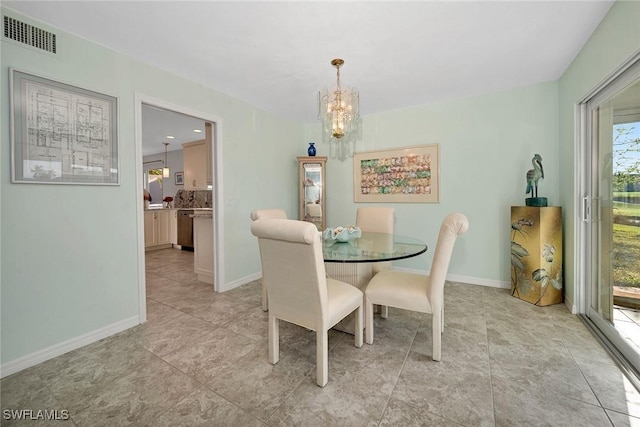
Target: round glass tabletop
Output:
[(373, 247)]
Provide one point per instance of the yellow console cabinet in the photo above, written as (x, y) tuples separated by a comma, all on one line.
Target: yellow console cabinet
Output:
[(536, 254)]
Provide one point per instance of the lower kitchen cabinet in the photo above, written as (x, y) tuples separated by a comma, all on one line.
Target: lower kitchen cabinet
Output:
[(157, 230)]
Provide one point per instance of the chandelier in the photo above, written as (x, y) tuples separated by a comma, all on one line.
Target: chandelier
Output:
[(339, 111)]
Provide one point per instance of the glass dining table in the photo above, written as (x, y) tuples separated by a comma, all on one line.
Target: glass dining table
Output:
[(352, 261), (372, 247)]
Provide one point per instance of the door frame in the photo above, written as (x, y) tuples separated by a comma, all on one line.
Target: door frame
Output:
[(582, 182), (218, 210), (587, 207)]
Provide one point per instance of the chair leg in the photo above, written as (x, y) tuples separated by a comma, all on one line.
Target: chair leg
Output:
[(322, 357), (437, 335), (368, 315), (265, 302), (274, 340), (359, 325), (384, 311)]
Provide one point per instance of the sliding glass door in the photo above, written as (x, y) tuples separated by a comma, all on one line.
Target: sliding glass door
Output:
[(611, 212)]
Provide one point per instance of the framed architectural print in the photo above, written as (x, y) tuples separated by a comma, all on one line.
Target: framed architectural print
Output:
[(62, 134), (402, 175)]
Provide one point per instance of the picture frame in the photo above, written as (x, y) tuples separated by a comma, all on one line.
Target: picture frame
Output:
[(400, 175), (62, 134), (179, 178)]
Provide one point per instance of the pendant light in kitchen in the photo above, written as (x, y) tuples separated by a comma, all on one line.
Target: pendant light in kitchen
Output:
[(165, 170)]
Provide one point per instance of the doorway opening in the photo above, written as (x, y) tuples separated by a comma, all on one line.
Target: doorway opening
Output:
[(152, 141)]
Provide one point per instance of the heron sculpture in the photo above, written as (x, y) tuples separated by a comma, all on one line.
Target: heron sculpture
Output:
[(534, 175)]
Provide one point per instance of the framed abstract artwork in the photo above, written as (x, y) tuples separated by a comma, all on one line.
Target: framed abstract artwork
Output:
[(401, 175), (62, 134), (179, 178)]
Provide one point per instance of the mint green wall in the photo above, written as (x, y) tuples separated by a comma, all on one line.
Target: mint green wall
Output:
[(69, 253), (486, 146), (616, 39)]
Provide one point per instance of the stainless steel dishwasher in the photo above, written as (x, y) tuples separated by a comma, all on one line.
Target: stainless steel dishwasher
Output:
[(185, 229)]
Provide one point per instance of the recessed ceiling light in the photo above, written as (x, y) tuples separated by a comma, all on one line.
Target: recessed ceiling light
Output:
[(171, 137), (197, 131)]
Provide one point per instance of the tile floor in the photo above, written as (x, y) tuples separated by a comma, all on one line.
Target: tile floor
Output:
[(627, 323), (626, 314), (201, 359)]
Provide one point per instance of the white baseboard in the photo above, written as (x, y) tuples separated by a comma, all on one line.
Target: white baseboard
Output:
[(240, 282), (570, 305), (464, 279), (479, 281), (56, 350)]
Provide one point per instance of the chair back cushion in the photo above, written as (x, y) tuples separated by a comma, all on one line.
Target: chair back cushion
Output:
[(453, 225), (376, 219), (293, 269), (268, 213)]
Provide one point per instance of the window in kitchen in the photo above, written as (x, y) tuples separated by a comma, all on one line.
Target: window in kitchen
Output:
[(153, 184)]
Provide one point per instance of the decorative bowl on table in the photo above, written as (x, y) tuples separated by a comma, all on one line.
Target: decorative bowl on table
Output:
[(342, 234)]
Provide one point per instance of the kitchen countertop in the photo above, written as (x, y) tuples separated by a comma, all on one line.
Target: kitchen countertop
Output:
[(180, 209)]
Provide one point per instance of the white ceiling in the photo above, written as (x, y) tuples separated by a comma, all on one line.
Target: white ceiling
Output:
[(276, 55), (158, 123)]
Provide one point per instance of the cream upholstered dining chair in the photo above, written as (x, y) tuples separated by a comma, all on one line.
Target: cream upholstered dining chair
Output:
[(267, 214), (299, 291), (417, 292), (377, 219)]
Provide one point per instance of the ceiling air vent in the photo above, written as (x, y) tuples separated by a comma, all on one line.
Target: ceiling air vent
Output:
[(29, 35)]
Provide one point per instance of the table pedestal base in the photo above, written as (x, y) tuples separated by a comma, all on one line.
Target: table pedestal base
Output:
[(356, 274)]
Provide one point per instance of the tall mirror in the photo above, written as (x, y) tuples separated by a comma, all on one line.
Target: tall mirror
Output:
[(312, 181)]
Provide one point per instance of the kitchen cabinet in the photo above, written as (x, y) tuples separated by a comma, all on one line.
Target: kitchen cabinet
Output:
[(196, 155), (150, 235), (157, 229), (173, 226), (311, 171), (203, 246)]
